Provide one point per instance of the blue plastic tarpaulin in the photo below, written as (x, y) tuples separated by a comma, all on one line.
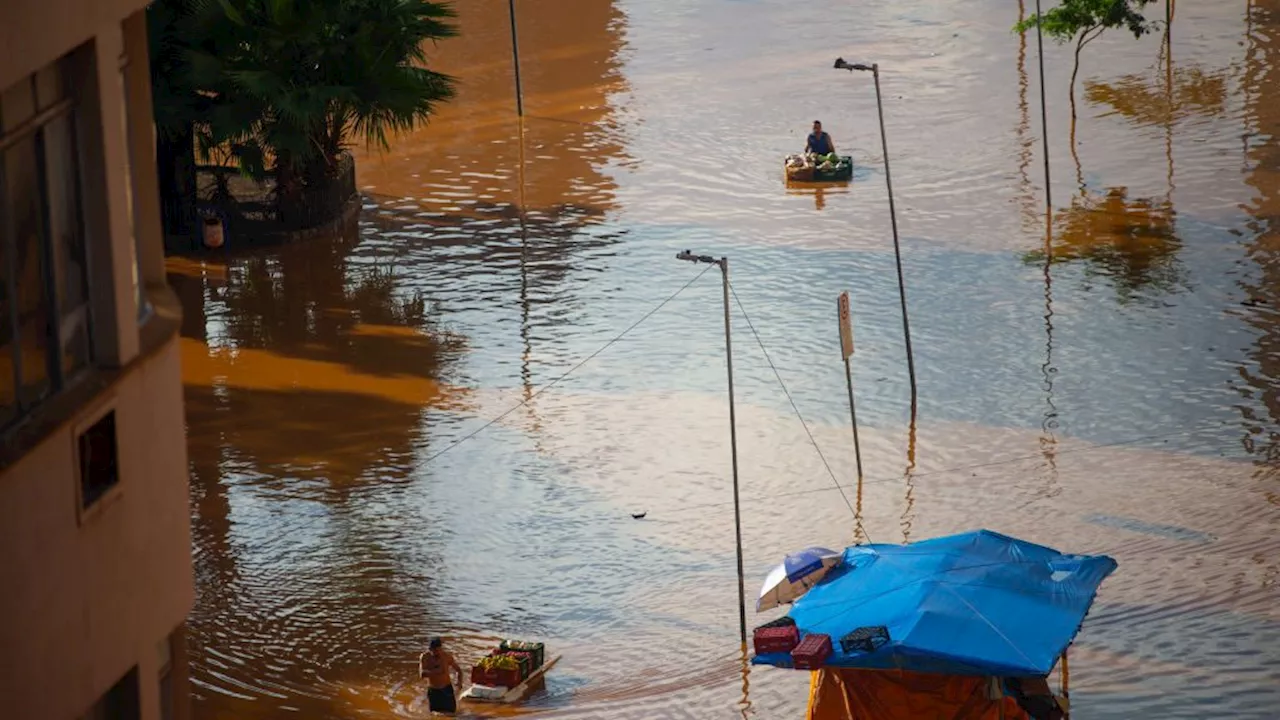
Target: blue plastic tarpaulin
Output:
[(978, 603)]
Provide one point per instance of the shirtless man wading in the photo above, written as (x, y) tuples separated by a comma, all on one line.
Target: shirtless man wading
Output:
[(434, 665)]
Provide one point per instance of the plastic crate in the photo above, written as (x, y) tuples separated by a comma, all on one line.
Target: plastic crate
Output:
[(507, 678), (495, 677), (812, 652), (864, 640), (525, 659), (480, 676), (537, 649), (776, 639)]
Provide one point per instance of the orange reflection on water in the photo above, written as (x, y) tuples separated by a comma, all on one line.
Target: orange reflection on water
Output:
[(328, 547), (298, 363), (475, 152)]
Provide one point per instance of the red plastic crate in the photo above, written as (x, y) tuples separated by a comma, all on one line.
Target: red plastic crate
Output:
[(496, 678), (775, 639), (480, 676), (812, 652), (506, 678)]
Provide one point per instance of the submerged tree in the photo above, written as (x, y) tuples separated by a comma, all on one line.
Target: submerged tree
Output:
[(177, 104), (287, 85), (1083, 21)]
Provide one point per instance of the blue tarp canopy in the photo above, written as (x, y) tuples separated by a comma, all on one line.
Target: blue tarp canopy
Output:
[(978, 603)]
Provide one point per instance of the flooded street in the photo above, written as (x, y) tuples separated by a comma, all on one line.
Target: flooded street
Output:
[(1113, 389)]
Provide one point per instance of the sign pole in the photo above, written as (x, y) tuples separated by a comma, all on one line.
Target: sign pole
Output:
[(846, 348)]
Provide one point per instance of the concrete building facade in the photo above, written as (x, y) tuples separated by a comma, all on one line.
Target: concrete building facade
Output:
[(95, 542)]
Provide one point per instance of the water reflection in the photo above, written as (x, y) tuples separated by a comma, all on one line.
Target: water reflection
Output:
[(571, 71), (296, 344), (1130, 241), (1151, 98), (908, 477), (1133, 241), (1262, 111), (818, 191), (1030, 211), (306, 379), (317, 375), (651, 129)]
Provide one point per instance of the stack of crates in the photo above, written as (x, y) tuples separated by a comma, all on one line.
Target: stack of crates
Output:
[(536, 650)]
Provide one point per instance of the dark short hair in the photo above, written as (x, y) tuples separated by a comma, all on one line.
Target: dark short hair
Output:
[(817, 122), (435, 643)]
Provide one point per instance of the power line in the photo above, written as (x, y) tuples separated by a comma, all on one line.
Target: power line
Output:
[(567, 373), (803, 424)]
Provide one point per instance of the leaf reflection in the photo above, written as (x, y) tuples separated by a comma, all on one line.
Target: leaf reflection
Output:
[(1132, 241), (1145, 100), (311, 303)]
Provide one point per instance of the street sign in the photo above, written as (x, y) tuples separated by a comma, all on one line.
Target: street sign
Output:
[(846, 325)]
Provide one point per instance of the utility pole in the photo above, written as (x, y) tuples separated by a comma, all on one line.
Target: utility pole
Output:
[(723, 263)]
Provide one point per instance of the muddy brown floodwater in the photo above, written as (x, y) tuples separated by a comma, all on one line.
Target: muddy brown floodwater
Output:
[(1113, 388)]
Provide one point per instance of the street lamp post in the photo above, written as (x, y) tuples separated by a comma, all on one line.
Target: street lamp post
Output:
[(874, 68), (515, 57), (723, 263)]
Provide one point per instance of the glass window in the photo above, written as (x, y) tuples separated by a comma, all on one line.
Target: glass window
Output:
[(44, 319), (31, 296), (8, 340), (67, 238), (99, 463)]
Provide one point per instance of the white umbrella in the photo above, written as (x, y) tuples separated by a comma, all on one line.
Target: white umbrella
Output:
[(798, 572)]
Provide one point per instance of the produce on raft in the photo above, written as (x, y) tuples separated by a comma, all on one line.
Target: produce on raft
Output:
[(498, 662), (535, 649)]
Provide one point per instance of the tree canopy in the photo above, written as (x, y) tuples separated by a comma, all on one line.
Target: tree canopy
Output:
[(1084, 21), (286, 85), (1085, 17)]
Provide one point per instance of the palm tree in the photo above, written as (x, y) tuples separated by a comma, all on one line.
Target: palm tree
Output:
[(290, 83), (318, 72), (176, 106)]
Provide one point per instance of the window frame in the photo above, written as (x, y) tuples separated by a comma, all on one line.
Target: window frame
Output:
[(165, 677), (144, 309), (112, 494), (65, 109)]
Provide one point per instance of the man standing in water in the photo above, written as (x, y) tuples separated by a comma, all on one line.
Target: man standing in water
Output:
[(820, 143), (434, 665)]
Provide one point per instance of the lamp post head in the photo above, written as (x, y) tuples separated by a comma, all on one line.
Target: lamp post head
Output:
[(842, 64), (690, 257)]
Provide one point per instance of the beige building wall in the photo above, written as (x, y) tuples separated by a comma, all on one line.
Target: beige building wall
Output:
[(95, 556)]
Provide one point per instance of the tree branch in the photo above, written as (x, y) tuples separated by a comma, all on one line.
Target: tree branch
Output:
[(1086, 38)]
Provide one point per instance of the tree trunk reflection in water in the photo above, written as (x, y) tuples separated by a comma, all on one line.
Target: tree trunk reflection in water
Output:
[(1049, 421), (1262, 173)]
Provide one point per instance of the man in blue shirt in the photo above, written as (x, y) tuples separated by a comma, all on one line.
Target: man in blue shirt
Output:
[(820, 143)]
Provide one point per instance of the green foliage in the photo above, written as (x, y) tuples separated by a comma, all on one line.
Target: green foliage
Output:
[(173, 97), (291, 83), (1085, 20), (1080, 17)]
